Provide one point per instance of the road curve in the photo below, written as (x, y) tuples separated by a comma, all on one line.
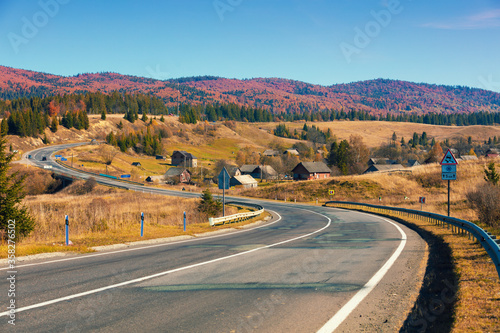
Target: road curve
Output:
[(309, 269)]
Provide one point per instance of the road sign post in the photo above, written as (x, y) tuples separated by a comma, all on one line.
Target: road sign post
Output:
[(184, 221), (142, 224), (224, 185), (449, 171), (422, 201), (67, 230)]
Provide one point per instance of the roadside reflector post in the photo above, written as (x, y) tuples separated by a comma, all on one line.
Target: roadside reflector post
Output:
[(67, 230), (142, 224), (184, 221)]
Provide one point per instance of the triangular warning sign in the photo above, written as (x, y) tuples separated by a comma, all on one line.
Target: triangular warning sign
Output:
[(448, 159)]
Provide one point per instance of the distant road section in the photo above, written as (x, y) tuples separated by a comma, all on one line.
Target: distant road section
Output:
[(309, 269)]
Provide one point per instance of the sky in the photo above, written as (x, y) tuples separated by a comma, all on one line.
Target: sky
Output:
[(452, 42)]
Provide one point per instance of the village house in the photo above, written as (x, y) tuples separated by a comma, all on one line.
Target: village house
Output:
[(384, 168), (245, 181), (311, 170), (185, 159), (270, 152), (492, 153), (291, 151), (177, 175), (373, 161), (259, 171)]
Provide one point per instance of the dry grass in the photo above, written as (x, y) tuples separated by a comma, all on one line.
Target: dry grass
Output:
[(394, 189), (109, 216), (376, 133)]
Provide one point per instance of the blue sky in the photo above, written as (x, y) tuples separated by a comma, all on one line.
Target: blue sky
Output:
[(453, 42)]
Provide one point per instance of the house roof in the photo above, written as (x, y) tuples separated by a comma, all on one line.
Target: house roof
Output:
[(270, 152), (492, 151), (413, 163), (173, 172), (384, 168), (248, 168), (374, 160), (268, 170), (136, 163), (315, 167), (185, 154), (292, 151), (245, 179), (232, 169), (468, 157)]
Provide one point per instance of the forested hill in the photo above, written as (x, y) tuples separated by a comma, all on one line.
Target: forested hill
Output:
[(378, 97)]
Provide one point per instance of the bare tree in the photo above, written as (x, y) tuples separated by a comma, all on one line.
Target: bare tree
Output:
[(107, 153)]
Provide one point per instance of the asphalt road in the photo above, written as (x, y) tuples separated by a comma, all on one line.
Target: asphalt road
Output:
[(306, 268)]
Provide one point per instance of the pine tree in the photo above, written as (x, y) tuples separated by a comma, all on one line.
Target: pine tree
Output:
[(4, 127), (54, 125), (491, 174), (103, 114), (208, 205), (12, 212)]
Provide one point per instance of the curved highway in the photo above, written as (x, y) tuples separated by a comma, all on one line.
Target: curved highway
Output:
[(309, 269)]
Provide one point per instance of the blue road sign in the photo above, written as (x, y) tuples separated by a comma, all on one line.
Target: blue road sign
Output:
[(449, 176), (224, 179), (125, 176), (64, 159)]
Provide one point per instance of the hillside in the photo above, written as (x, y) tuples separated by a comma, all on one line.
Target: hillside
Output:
[(378, 96)]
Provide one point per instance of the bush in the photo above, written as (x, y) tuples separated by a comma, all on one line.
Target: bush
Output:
[(81, 187), (208, 205), (485, 201)]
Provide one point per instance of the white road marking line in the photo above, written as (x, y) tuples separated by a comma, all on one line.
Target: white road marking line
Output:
[(145, 247), (344, 312), (66, 298)]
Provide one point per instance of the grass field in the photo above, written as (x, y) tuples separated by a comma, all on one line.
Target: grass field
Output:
[(376, 133), (110, 216)]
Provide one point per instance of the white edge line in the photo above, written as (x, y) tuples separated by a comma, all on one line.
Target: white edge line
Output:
[(346, 310), (66, 298), (146, 247)]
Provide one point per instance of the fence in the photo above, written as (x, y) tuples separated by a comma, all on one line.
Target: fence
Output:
[(237, 217), (486, 239)]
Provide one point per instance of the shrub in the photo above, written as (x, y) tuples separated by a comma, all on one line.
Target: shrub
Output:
[(484, 200), (208, 205)]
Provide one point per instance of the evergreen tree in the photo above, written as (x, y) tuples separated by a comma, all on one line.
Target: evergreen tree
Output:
[(54, 125), (491, 174), (4, 127), (103, 114), (12, 212), (208, 205)]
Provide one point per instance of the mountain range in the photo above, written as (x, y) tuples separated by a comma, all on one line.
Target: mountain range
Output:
[(379, 96)]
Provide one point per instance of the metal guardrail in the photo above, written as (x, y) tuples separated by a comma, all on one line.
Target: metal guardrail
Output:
[(237, 217), (486, 239), (95, 174)]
